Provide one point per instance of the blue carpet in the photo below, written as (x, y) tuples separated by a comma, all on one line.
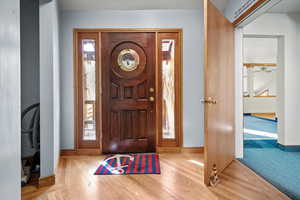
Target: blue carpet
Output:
[(280, 168), (259, 124), (256, 123)]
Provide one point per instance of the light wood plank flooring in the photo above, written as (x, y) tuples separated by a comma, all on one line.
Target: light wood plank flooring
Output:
[(265, 115), (181, 178)]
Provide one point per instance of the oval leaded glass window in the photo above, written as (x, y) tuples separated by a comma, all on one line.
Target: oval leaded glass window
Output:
[(128, 60)]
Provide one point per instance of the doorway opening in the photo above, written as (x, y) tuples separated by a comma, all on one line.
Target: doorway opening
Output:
[(261, 84), (269, 68), (127, 90)]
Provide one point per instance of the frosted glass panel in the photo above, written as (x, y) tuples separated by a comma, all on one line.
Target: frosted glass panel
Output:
[(168, 88), (89, 89)]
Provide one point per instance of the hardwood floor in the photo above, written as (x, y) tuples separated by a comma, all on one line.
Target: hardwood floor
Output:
[(265, 115), (181, 178)]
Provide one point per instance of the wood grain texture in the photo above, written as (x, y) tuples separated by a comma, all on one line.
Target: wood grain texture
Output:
[(68, 152), (71, 152), (79, 34), (128, 116), (192, 149), (86, 152), (264, 96), (181, 178), (260, 64), (78, 90), (127, 30), (219, 86), (265, 115), (177, 142), (46, 181), (168, 149)]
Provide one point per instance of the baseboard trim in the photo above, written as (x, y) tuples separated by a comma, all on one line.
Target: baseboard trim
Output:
[(85, 152), (46, 181), (168, 149), (289, 148), (92, 152), (89, 152), (180, 149), (192, 149), (264, 118), (67, 152)]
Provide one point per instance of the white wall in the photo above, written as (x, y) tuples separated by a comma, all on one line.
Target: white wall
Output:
[(260, 50), (286, 27), (49, 87), (56, 83), (260, 105), (10, 100), (192, 23), (239, 124)]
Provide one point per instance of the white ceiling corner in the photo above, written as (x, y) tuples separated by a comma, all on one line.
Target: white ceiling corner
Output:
[(286, 6), (86, 5)]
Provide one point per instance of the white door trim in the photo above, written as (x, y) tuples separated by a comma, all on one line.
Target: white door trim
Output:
[(239, 126)]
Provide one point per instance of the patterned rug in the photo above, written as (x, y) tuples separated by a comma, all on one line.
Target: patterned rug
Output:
[(142, 163)]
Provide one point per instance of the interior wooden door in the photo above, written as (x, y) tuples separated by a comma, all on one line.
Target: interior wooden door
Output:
[(219, 92), (128, 92)]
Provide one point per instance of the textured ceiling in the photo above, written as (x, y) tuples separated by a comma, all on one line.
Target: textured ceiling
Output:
[(135, 4), (286, 6)]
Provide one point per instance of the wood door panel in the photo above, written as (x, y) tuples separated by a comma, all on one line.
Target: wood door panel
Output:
[(141, 91), (128, 92), (130, 104), (219, 86), (128, 115), (135, 124), (115, 91)]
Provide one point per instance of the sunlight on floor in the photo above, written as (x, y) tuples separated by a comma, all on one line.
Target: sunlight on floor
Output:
[(197, 162), (261, 133)]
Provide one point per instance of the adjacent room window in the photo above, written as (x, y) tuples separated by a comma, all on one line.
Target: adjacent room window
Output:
[(89, 89), (264, 81), (260, 80)]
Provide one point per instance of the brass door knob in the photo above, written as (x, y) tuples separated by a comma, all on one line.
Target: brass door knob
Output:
[(151, 99), (209, 100), (151, 89)]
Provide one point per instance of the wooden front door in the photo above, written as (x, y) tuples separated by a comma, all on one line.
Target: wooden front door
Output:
[(128, 92), (219, 92)]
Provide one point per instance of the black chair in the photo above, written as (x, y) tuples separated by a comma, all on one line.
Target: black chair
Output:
[(30, 142), (31, 134)]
